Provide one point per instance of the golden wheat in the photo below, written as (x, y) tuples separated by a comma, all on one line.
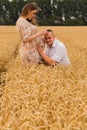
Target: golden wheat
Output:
[(9, 41), (41, 97)]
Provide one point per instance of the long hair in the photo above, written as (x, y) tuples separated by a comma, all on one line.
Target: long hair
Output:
[(30, 7)]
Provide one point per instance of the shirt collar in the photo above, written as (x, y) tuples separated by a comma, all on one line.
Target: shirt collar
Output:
[(54, 44)]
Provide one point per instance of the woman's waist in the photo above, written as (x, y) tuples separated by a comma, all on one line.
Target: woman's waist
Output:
[(27, 45)]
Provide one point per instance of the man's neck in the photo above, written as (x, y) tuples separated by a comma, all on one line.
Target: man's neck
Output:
[(50, 45)]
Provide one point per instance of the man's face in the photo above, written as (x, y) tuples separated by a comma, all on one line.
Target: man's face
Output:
[(49, 38)]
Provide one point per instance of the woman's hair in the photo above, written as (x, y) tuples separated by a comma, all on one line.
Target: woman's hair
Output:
[(30, 7)]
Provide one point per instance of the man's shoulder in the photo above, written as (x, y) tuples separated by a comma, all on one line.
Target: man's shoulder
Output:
[(59, 43)]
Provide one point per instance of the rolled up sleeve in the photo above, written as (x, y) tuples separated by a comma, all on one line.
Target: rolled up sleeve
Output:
[(58, 54)]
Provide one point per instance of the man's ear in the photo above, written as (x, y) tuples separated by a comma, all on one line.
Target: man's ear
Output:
[(54, 36)]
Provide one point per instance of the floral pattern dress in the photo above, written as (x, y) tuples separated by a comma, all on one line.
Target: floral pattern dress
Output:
[(28, 52)]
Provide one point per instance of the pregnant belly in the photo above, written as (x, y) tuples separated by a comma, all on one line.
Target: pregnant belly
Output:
[(31, 55)]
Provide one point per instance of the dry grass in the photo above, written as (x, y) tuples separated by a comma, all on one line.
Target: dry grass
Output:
[(8, 44), (41, 97)]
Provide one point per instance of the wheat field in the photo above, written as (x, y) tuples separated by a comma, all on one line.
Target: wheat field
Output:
[(41, 97)]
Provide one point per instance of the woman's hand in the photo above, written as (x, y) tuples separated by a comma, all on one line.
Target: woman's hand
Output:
[(44, 32)]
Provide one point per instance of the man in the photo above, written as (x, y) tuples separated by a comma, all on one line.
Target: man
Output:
[(55, 51)]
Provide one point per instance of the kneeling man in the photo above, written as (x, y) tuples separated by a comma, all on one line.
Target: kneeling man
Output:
[(54, 52)]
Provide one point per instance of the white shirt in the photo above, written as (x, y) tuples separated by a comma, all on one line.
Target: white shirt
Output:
[(57, 52)]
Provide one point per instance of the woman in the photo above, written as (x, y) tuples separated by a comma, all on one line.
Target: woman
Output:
[(29, 34)]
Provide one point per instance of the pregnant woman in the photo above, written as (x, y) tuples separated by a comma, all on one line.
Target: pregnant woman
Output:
[(27, 29)]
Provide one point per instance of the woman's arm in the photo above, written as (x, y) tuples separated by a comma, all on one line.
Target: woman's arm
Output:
[(35, 36)]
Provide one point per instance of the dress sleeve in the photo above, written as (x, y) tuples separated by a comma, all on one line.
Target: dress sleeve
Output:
[(25, 31)]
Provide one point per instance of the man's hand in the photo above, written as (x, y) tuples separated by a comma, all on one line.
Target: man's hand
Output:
[(47, 59)]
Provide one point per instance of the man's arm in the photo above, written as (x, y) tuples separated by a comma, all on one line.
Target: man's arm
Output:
[(47, 59)]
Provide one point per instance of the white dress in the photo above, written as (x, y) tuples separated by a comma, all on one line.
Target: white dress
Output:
[(28, 52)]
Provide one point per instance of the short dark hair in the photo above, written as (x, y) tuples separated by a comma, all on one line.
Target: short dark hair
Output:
[(49, 30)]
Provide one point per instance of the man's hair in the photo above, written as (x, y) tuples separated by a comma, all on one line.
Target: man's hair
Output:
[(49, 30)]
